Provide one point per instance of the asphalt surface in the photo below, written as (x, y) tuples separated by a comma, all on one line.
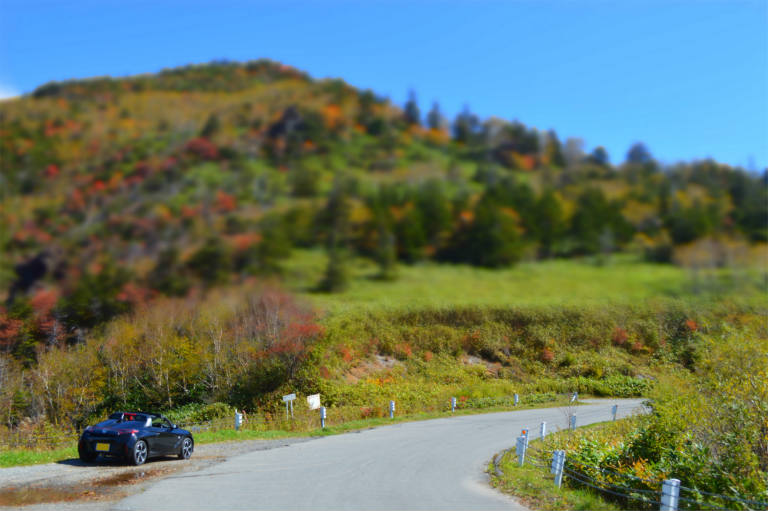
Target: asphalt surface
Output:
[(432, 465)]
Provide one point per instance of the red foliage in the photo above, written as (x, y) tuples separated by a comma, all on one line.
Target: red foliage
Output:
[(9, 329), (287, 328), (44, 301), (428, 356), (547, 355), (133, 294), (620, 336), (691, 325), (202, 148), (52, 170), (346, 354), (225, 202)]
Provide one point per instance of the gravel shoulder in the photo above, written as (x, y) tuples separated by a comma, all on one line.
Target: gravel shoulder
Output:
[(72, 484)]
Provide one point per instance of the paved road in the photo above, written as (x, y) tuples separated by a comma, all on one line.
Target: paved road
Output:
[(430, 465)]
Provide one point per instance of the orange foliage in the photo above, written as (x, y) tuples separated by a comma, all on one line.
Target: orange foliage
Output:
[(620, 336), (225, 202)]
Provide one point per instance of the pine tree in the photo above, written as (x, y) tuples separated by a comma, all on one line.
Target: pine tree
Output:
[(412, 113)]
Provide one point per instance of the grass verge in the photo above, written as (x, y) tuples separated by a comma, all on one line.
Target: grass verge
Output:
[(535, 487)]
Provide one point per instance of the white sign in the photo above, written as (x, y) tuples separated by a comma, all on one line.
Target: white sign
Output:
[(313, 401), (289, 397)]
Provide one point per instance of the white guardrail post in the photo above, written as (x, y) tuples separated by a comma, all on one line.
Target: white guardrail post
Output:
[(322, 417), (670, 493), (614, 409), (521, 446), (453, 404), (391, 409), (573, 422), (238, 420), (543, 430), (558, 462), (517, 399)]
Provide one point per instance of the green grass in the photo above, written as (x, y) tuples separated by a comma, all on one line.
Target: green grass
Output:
[(623, 280), (535, 487), (16, 457)]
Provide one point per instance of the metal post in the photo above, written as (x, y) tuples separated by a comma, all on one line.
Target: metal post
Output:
[(238, 420), (391, 409), (522, 444), (453, 404), (543, 430), (558, 463), (322, 417), (670, 493), (517, 399), (291, 408), (614, 409), (286, 410), (573, 421)]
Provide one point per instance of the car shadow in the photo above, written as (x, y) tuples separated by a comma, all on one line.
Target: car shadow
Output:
[(108, 462)]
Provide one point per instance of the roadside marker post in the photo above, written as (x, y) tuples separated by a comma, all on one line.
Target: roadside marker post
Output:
[(391, 409), (558, 463), (524, 434), (543, 430), (517, 399), (238, 420), (522, 444), (670, 494), (573, 422), (574, 397), (322, 417), (453, 404), (614, 409)]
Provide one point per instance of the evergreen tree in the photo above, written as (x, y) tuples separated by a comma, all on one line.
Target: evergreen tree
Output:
[(336, 223), (412, 113), (554, 150), (600, 157), (211, 263), (211, 126), (386, 254), (549, 222), (435, 118)]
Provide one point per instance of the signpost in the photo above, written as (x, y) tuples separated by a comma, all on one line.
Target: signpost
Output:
[(289, 400), (313, 401)]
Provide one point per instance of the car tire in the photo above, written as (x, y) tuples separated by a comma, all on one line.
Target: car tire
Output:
[(139, 453), (85, 455), (187, 446)]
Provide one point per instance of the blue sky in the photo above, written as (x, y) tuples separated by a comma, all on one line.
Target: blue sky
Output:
[(689, 78)]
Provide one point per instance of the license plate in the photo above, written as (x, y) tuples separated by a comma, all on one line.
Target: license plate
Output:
[(102, 447)]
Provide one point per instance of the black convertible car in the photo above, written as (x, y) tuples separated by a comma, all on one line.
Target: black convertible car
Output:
[(135, 436)]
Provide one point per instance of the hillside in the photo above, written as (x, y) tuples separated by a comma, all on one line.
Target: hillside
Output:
[(204, 175)]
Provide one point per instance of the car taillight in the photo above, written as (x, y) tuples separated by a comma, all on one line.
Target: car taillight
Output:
[(127, 431)]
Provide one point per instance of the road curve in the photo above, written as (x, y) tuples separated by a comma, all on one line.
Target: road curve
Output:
[(431, 465)]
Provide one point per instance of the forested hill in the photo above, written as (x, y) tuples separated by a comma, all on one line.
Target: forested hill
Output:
[(117, 190)]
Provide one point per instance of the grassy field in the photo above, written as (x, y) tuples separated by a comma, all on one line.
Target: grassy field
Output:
[(621, 280)]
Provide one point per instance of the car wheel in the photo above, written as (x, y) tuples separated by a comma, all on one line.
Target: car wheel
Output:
[(86, 456), (139, 453), (187, 446)]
